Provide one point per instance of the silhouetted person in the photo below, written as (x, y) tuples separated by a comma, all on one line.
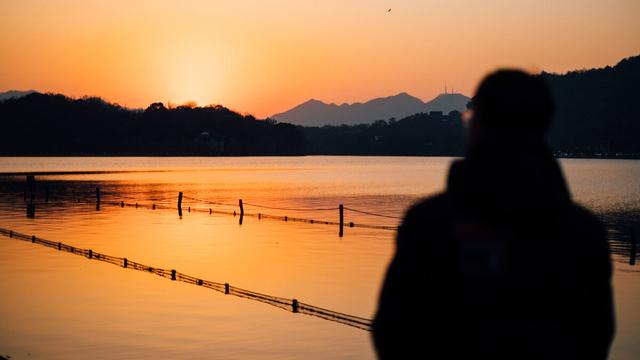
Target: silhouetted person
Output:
[(503, 264)]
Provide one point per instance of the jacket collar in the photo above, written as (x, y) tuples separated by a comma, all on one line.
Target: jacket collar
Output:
[(508, 178)]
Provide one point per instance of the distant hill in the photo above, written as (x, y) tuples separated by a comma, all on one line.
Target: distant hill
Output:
[(597, 109), (53, 124), (14, 94), (596, 116), (318, 113), (447, 103)]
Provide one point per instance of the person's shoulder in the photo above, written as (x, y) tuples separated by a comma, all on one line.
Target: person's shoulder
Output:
[(586, 219), (426, 217), (587, 231), (591, 240), (430, 208)]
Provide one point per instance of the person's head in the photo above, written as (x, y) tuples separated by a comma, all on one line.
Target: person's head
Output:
[(510, 104)]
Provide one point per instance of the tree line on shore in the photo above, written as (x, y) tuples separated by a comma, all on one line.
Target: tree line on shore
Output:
[(596, 115), (53, 124)]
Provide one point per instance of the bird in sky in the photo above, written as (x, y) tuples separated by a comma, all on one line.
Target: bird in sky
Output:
[(389, 10)]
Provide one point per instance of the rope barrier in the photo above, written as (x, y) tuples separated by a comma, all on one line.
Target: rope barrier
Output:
[(311, 221), (618, 248), (257, 215), (372, 214), (207, 201), (292, 305), (167, 203), (291, 209), (119, 196), (168, 198)]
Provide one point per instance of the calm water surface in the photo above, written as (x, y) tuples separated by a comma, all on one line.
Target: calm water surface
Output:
[(59, 306)]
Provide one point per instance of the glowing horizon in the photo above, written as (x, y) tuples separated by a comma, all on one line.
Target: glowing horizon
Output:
[(262, 58)]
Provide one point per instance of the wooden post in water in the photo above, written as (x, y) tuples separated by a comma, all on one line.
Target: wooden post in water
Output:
[(97, 198), (294, 305), (31, 207), (241, 211), (341, 219), (31, 210), (633, 247), (173, 275), (31, 183), (180, 203), (226, 288)]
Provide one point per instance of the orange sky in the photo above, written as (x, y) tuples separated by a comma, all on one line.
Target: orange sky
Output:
[(263, 57)]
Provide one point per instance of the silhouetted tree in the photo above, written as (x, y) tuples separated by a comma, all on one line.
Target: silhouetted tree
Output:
[(156, 106), (596, 113)]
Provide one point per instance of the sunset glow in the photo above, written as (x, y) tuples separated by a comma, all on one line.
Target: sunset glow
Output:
[(264, 57)]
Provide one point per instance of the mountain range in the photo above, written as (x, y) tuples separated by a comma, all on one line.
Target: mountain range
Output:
[(318, 113), (596, 115), (14, 94)]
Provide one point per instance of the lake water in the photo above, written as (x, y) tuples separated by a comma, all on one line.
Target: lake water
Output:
[(55, 305)]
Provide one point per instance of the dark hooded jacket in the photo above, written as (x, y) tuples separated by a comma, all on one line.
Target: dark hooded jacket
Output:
[(502, 265)]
